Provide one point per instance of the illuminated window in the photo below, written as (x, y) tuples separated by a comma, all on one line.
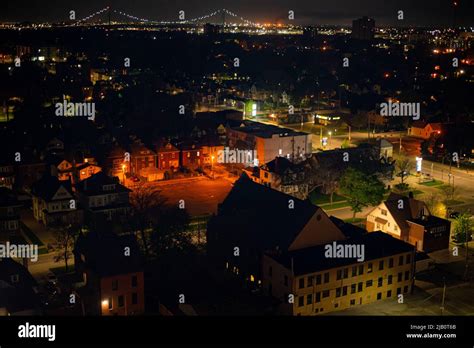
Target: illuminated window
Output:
[(252, 278)]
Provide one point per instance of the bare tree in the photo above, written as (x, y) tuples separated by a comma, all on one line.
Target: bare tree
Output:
[(64, 239), (146, 202)]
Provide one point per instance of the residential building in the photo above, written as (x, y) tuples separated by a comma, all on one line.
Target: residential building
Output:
[(270, 141), (112, 270), (283, 175), (9, 214), (60, 167), (167, 156), (254, 219), (410, 220), (54, 202), (7, 175), (319, 284), (18, 290), (384, 148), (86, 170), (191, 156), (210, 153), (103, 195), (118, 162), (142, 159), (421, 129)]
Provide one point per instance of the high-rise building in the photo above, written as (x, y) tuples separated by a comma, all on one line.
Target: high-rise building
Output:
[(363, 28)]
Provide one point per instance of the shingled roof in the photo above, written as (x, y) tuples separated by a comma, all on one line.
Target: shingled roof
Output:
[(309, 260), (48, 186), (105, 253), (262, 214), (412, 209)]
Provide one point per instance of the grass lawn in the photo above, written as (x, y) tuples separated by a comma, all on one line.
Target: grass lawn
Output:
[(415, 193), (317, 198), (334, 205), (31, 236), (432, 183), (443, 187)]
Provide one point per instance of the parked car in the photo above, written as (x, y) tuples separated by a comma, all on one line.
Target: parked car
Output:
[(454, 214)]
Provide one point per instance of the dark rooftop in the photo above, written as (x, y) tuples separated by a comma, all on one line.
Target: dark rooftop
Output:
[(105, 253), (260, 212), (266, 130), (310, 260)]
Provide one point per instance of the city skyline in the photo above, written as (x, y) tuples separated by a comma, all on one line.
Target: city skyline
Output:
[(440, 13)]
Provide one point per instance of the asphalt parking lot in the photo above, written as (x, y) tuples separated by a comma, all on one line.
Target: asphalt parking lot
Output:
[(201, 195)]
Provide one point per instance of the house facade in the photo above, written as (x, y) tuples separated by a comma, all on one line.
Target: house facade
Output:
[(113, 282), (410, 220), (101, 194), (54, 202), (319, 285)]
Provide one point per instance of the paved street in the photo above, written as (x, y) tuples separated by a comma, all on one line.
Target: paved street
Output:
[(458, 301)]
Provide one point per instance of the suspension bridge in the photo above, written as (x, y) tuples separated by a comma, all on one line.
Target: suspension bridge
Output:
[(110, 16)]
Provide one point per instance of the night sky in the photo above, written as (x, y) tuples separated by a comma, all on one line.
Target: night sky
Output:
[(417, 13)]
